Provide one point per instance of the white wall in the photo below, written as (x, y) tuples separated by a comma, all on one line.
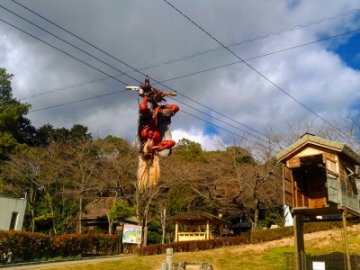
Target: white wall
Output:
[(288, 217), (8, 206)]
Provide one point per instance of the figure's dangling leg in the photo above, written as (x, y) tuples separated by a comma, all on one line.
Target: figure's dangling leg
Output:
[(169, 109), (164, 144)]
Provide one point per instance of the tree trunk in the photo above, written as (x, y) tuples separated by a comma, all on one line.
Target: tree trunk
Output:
[(145, 236), (32, 208), (80, 213), (110, 229), (256, 218), (256, 214), (32, 220), (163, 225)]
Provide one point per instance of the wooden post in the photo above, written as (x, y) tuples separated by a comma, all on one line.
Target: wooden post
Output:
[(169, 258), (207, 230), (145, 236), (299, 242), (176, 232), (346, 242)]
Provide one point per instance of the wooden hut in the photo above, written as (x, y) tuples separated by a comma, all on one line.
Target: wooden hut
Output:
[(192, 226), (320, 178)]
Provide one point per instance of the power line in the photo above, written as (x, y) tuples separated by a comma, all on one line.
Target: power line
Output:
[(85, 99), (299, 26), (183, 111), (80, 38), (209, 115), (207, 69), (92, 45), (248, 65), (296, 27), (76, 101), (222, 45), (292, 28), (229, 131), (62, 88), (202, 29), (64, 52), (63, 40), (263, 55), (135, 79)]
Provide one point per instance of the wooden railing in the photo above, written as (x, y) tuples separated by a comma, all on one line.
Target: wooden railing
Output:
[(340, 196), (191, 236)]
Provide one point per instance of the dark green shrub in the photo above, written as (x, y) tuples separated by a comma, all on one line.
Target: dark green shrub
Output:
[(187, 246), (26, 246)]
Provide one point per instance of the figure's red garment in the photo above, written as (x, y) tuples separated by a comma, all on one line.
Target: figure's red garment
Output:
[(150, 131), (167, 109)]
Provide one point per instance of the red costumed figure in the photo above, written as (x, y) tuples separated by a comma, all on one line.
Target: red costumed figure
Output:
[(153, 132)]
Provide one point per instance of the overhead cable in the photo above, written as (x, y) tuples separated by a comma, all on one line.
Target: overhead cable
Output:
[(249, 65), (76, 101), (69, 43), (135, 69), (94, 97), (207, 69), (64, 52)]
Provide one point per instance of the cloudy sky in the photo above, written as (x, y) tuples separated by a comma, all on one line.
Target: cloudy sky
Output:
[(260, 65)]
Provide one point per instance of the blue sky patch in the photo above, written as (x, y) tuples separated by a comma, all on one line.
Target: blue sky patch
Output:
[(293, 4), (349, 51), (210, 129)]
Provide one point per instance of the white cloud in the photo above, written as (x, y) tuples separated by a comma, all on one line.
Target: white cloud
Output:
[(207, 142), (143, 33)]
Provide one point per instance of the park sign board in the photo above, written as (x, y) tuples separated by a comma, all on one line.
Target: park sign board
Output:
[(132, 234)]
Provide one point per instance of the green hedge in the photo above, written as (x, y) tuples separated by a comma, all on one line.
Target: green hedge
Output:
[(26, 246), (186, 246)]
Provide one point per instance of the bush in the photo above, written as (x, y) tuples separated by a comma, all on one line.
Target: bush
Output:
[(26, 246), (187, 246)]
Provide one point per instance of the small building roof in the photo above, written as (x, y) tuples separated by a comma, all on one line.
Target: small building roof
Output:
[(308, 138), (196, 218), (97, 209)]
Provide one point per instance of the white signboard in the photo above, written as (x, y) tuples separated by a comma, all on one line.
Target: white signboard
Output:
[(131, 234), (318, 266)]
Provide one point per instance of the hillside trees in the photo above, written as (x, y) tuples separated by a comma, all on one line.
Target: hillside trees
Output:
[(22, 177), (61, 178), (257, 182), (117, 177), (118, 167), (16, 131), (47, 134), (81, 167), (119, 211)]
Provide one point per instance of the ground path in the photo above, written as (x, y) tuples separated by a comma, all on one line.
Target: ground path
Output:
[(68, 262)]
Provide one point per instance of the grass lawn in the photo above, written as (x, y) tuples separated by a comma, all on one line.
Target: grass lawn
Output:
[(262, 256)]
